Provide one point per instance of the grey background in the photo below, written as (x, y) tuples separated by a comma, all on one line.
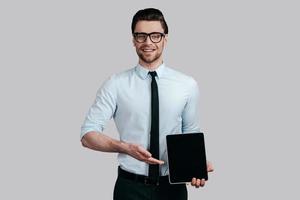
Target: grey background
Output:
[(54, 55)]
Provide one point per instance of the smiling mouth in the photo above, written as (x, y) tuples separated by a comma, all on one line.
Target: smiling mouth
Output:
[(148, 50)]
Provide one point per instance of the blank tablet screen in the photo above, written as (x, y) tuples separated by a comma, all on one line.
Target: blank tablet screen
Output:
[(186, 157)]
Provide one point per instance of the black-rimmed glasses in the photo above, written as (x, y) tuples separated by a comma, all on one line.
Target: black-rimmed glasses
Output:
[(155, 37)]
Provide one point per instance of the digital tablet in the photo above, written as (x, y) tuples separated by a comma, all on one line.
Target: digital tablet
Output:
[(186, 157)]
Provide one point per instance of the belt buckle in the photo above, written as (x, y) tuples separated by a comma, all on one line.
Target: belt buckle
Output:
[(149, 181)]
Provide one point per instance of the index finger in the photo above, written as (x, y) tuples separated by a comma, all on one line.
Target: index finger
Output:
[(155, 161)]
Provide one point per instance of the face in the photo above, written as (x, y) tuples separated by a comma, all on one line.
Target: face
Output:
[(149, 53)]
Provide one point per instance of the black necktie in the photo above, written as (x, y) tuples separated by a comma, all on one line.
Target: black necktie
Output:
[(154, 133)]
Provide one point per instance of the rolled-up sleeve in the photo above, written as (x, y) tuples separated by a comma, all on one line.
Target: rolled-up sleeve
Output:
[(103, 108), (190, 115)]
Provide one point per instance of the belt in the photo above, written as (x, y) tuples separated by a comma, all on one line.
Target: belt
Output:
[(142, 179)]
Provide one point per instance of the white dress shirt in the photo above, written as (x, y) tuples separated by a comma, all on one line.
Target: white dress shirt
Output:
[(126, 97)]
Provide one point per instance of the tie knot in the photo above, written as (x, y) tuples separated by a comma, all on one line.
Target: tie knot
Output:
[(153, 74)]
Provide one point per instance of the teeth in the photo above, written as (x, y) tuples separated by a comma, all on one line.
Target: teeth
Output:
[(148, 50)]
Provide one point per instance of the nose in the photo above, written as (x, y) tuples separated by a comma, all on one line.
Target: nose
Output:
[(148, 40)]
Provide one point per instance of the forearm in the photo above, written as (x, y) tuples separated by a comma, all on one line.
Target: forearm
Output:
[(101, 142)]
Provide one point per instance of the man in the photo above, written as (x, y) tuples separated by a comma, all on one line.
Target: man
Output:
[(147, 103)]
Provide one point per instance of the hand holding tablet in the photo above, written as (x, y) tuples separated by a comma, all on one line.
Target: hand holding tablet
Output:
[(201, 182)]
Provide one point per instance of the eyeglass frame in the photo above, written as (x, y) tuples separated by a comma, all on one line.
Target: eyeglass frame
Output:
[(148, 35)]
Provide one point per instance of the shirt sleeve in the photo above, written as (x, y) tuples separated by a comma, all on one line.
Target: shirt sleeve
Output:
[(102, 109), (190, 115)]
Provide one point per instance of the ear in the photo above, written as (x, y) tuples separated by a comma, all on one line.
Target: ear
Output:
[(166, 39)]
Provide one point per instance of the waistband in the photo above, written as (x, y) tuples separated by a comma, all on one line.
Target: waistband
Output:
[(142, 179)]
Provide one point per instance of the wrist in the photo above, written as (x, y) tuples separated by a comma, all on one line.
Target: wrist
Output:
[(123, 147)]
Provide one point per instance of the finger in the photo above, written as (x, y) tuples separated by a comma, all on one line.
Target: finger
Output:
[(193, 182), (155, 161), (144, 152), (198, 182), (141, 157), (202, 182), (209, 167)]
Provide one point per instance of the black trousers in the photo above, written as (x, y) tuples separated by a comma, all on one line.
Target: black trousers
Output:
[(126, 189)]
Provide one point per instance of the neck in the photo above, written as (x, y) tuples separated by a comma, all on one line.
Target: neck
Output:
[(151, 66)]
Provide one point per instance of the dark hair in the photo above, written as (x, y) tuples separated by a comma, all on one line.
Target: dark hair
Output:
[(149, 14)]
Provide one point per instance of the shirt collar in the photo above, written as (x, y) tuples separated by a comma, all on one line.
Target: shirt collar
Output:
[(143, 72)]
